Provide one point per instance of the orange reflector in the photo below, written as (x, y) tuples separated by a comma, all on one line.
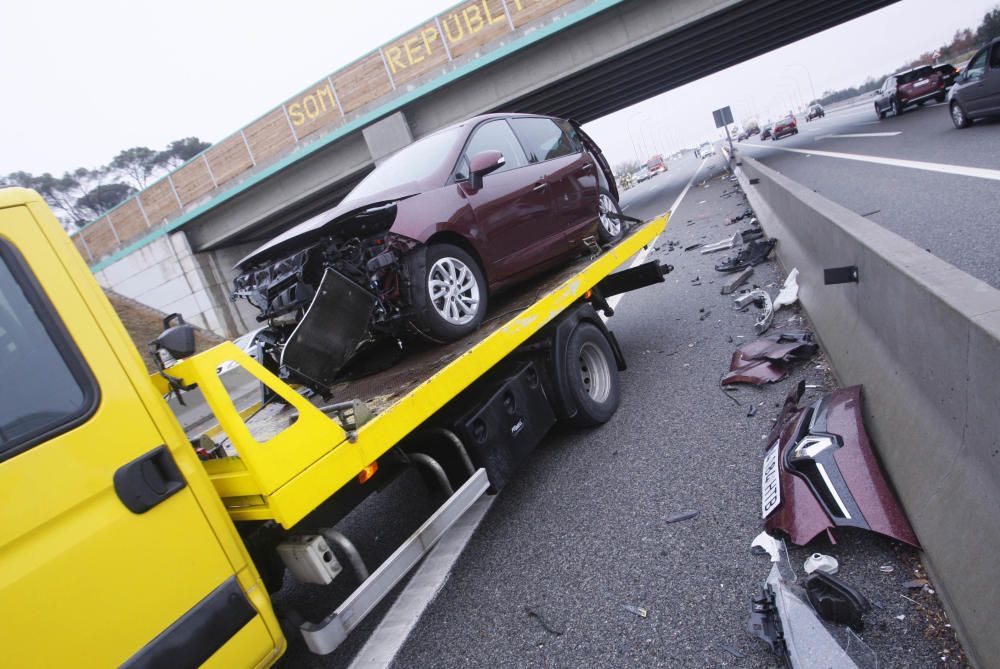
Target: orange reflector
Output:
[(368, 472), (587, 295)]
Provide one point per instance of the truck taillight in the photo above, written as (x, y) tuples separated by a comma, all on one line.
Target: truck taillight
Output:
[(368, 472)]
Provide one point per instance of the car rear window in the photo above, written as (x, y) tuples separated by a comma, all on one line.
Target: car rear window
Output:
[(46, 388), (541, 138), (913, 75)]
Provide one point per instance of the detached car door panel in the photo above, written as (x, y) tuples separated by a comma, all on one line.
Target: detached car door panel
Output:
[(91, 576)]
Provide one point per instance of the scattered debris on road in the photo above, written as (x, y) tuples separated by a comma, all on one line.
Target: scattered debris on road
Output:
[(533, 612), (789, 293), (767, 359), (681, 515), (824, 563), (636, 610)]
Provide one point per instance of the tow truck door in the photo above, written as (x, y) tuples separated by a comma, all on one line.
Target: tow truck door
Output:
[(112, 552)]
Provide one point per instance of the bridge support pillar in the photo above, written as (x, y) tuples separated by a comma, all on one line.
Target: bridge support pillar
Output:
[(387, 135)]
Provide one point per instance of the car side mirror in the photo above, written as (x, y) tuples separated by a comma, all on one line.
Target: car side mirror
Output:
[(482, 164), (176, 339)]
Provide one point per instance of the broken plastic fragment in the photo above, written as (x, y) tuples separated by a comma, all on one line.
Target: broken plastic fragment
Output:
[(681, 515), (722, 244), (769, 544), (636, 610), (789, 293), (836, 601), (824, 563)]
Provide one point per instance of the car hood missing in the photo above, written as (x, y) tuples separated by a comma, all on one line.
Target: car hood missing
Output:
[(326, 223)]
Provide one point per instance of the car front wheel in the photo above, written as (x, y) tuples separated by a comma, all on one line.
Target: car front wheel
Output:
[(879, 112), (610, 227), (958, 116), (897, 107), (454, 291)]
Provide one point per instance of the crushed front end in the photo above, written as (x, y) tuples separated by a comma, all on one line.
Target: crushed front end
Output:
[(331, 299)]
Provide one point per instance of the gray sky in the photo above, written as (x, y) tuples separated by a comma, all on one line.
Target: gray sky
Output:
[(83, 80)]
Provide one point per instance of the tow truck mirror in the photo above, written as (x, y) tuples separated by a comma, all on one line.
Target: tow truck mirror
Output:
[(177, 337), (482, 164)]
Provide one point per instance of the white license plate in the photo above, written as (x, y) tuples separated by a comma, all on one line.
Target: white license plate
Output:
[(770, 488)]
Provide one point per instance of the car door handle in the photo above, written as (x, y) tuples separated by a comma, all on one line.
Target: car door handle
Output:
[(587, 167), (540, 186), (148, 480)]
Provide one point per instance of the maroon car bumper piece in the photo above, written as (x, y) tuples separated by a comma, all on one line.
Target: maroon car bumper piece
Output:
[(766, 360), (828, 474)]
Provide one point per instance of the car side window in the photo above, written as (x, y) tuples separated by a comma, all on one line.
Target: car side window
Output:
[(53, 388), (492, 136), (977, 66), (995, 57), (542, 139)]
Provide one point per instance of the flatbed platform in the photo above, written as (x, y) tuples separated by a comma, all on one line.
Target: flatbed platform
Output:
[(292, 457)]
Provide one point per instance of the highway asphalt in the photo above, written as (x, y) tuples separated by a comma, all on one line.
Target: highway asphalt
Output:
[(581, 532), (948, 212)]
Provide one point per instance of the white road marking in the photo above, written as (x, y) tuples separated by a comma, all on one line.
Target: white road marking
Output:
[(863, 134), (640, 257), (393, 630), (385, 641), (942, 168)]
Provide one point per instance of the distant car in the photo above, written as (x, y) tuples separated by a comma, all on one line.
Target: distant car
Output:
[(706, 150), (765, 132), (656, 165), (976, 92), (815, 111), (786, 126), (908, 88), (642, 175), (948, 73)]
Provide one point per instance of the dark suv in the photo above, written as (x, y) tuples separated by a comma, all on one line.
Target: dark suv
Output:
[(911, 87), (976, 92)]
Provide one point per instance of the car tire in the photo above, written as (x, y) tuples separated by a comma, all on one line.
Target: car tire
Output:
[(941, 97), (897, 108), (591, 376), (958, 115), (454, 293), (879, 112), (609, 229)]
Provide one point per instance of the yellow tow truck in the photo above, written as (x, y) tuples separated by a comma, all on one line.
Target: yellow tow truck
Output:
[(126, 541)]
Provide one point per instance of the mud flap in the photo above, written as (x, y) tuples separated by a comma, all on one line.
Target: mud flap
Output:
[(334, 328)]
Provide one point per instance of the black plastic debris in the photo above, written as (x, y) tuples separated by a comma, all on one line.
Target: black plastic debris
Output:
[(693, 247), (836, 601), (681, 515), (533, 612), (751, 410), (765, 623), (751, 254)]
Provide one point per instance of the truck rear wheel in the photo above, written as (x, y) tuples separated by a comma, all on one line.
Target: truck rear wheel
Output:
[(591, 376)]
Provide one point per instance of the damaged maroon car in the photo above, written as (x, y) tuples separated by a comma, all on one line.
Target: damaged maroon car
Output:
[(420, 245), (820, 472)]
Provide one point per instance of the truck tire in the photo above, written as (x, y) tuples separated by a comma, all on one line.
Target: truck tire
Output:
[(454, 293), (591, 376), (610, 229)]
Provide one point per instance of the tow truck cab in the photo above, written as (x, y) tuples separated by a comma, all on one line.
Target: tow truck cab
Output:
[(115, 549)]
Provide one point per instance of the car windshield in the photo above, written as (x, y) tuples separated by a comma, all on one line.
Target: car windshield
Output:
[(410, 164)]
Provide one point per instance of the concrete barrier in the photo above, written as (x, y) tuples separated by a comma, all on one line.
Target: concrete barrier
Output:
[(923, 338)]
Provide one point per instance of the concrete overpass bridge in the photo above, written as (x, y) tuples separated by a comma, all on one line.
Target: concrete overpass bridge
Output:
[(172, 246)]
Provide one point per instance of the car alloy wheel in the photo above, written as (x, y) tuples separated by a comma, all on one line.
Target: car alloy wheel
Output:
[(611, 227), (897, 108), (453, 291), (958, 116)]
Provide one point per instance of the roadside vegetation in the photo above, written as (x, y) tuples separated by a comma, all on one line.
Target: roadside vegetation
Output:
[(84, 194)]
